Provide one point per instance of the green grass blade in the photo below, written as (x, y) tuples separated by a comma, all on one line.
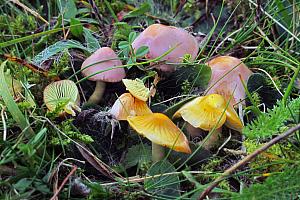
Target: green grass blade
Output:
[(290, 86), (29, 37), (10, 103)]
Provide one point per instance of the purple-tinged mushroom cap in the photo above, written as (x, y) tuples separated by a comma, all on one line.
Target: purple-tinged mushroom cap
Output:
[(160, 38), (93, 65), (110, 59)]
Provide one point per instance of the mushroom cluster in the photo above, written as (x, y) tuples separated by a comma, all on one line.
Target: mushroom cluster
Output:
[(225, 89), (208, 113), (105, 66), (157, 127)]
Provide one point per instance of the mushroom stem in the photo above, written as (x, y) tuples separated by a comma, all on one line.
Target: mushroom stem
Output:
[(96, 97), (212, 140), (158, 152)]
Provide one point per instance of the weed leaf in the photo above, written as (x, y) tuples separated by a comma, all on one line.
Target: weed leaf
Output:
[(56, 48), (164, 184)]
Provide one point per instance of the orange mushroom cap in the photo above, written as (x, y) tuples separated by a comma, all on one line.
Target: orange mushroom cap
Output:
[(209, 112), (127, 105), (161, 130), (228, 84), (160, 38)]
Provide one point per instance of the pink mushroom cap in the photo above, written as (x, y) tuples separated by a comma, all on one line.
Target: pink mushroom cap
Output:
[(104, 53), (160, 38), (228, 84)]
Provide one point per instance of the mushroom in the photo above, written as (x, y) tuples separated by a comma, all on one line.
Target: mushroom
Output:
[(208, 113), (93, 65), (226, 77), (133, 103), (62, 93), (161, 131), (127, 105), (160, 38)]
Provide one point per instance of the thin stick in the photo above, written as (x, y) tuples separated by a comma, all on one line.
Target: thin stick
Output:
[(34, 13), (64, 182), (247, 159), (142, 179)]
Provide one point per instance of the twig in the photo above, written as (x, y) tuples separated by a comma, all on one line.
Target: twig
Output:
[(64, 182), (31, 66), (137, 179), (247, 159), (34, 13)]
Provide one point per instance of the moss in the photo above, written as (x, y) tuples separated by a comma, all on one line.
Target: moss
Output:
[(18, 25), (70, 131), (186, 87), (60, 65), (256, 98), (275, 153)]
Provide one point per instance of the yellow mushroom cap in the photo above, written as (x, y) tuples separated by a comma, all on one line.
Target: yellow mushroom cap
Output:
[(207, 112), (161, 130), (127, 105), (65, 92), (137, 88), (232, 119)]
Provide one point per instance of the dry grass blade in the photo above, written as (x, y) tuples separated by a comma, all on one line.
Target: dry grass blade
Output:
[(95, 162)]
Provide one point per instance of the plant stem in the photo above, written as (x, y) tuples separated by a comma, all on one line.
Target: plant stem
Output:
[(158, 152), (96, 97), (212, 139)]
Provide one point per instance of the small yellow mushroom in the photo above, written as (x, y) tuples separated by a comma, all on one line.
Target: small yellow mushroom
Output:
[(127, 105)]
